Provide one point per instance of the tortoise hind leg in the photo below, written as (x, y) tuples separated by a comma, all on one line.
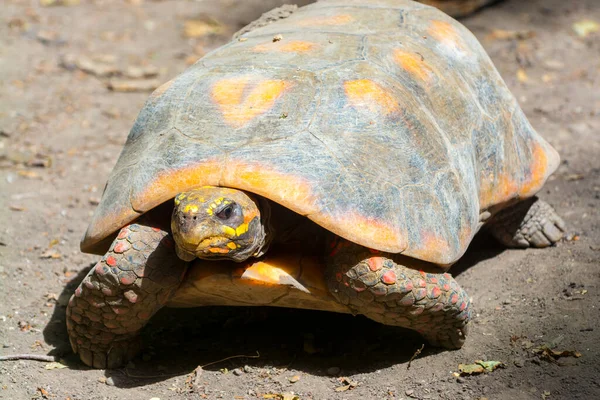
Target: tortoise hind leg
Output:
[(529, 223), (120, 294), (381, 288)]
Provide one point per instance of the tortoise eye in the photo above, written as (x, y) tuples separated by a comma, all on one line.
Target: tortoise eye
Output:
[(226, 212)]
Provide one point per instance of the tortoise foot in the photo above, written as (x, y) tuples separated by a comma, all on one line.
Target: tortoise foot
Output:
[(120, 294), (383, 290), (530, 223)]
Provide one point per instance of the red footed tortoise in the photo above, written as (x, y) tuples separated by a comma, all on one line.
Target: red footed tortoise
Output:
[(339, 159)]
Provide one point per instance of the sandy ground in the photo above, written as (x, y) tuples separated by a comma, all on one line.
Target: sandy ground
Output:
[(61, 131)]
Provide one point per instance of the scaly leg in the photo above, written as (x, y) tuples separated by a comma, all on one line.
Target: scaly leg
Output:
[(529, 223), (378, 286), (120, 294)]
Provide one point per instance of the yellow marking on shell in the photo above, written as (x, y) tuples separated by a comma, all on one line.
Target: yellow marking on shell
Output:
[(414, 65), (294, 46), (209, 211), (334, 20), (232, 245), (261, 96), (229, 231), (364, 93)]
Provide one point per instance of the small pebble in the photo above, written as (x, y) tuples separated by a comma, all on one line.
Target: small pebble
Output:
[(409, 392), (519, 363), (460, 379), (110, 381), (247, 369), (333, 370), (237, 372)]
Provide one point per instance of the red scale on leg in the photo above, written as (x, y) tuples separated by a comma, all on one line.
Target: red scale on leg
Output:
[(446, 287), (338, 276), (463, 305), (127, 278), (375, 263), (123, 234), (122, 246), (421, 283), (110, 260), (454, 298), (435, 293), (389, 278)]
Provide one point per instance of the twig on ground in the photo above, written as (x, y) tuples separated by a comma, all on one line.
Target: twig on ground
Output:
[(33, 357), (415, 355)]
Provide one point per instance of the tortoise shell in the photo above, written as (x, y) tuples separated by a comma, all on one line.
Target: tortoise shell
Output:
[(384, 122)]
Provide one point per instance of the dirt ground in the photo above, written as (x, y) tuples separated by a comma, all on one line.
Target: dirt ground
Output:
[(61, 130)]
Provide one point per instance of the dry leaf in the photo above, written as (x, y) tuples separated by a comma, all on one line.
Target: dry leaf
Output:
[(479, 367), (294, 379), (552, 355), (194, 28), (51, 254), (17, 208), (281, 396), (67, 3), (43, 392), (348, 384), (522, 75), (54, 365), (501, 34), (29, 174), (128, 85), (584, 27)]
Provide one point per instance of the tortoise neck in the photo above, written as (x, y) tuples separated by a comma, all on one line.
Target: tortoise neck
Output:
[(267, 232)]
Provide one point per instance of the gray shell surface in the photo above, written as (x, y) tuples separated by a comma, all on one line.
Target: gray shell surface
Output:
[(385, 122)]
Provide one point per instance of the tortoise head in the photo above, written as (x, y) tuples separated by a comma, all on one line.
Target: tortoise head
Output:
[(219, 223)]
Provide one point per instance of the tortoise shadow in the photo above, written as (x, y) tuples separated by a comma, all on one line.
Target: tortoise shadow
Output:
[(179, 340)]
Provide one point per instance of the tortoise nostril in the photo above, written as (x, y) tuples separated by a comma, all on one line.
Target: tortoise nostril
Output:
[(194, 217)]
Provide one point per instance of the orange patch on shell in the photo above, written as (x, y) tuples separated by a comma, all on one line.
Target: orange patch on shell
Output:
[(364, 93), (295, 46), (341, 19), (169, 183), (414, 65), (291, 191), (446, 33), (432, 247), (368, 232), (238, 110), (538, 171)]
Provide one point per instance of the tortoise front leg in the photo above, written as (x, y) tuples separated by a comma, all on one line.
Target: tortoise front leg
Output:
[(120, 294), (380, 287)]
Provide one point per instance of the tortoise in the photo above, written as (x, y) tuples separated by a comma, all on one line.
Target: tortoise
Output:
[(340, 159)]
